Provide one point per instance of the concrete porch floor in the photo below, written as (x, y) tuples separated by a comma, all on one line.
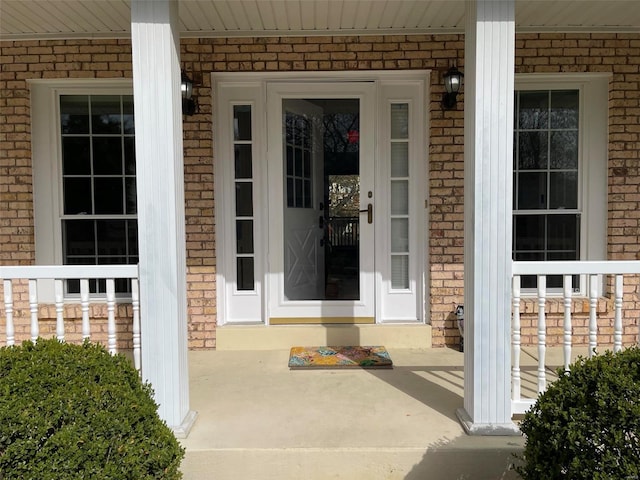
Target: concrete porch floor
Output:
[(259, 420)]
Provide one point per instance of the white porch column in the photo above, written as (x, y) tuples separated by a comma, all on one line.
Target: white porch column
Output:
[(488, 132), (160, 184)]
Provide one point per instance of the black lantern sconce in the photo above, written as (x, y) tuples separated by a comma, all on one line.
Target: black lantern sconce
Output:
[(189, 105), (452, 84)]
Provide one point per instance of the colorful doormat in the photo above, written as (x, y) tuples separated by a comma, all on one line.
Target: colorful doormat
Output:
[(339, 357)]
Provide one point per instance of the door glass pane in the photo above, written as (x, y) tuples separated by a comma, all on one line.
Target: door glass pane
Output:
[(399, 197), (399, 159), (245, 273), (244, 234), (399, 271), (321, 199), (399, 121), (244, 199), (243, 157), (243, 169), (242, 122), (399, 235), (399, 186)]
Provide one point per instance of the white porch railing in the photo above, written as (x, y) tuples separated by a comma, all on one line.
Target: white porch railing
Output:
[(593, 271), (59, 274)]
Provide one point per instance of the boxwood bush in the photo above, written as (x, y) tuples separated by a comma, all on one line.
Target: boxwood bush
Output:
[(587, 424), (77, 412)]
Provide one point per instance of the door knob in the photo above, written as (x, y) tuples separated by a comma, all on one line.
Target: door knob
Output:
[(369, 211)]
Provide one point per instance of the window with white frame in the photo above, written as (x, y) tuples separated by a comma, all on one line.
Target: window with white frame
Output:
[(98, 167), (559, 172), (83, 147)]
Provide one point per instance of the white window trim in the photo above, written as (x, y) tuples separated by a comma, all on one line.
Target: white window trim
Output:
[(593, 154), (46, 155)]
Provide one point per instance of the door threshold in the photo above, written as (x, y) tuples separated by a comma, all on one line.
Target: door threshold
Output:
[(321, 320)]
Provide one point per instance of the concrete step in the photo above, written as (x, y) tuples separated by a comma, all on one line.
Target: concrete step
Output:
[(464, 458), (277, 337)]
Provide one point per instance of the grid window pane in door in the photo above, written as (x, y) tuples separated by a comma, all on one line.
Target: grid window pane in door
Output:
[(98, 220), (399, 194), (547, 210), (298, 164), (243, 175)]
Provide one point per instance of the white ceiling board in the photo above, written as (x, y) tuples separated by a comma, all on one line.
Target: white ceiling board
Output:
[(335, 14), (111, 18), (376, 11), (280, 12), (254, 19), (265, 9), (322, 14), (347, 19)]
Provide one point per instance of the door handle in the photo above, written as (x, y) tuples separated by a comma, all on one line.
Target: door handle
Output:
[(369, 211)]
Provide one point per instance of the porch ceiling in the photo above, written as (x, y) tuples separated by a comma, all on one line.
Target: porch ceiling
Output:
[(33, 19)]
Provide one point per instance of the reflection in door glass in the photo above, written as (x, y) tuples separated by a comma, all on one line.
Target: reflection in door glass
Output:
[(321, 140)]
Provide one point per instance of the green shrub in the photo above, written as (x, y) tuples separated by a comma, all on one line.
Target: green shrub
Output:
[(77, 412), (587, 424)]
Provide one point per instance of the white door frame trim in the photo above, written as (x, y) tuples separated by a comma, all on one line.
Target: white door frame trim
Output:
[(257, 83)]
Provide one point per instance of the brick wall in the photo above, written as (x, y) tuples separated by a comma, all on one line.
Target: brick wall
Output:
[(618, 54)]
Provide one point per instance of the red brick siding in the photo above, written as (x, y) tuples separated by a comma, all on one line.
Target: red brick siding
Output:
[(618, 54)]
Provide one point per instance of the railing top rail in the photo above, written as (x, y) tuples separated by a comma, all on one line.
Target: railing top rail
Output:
[(63, 272), (606, 267)]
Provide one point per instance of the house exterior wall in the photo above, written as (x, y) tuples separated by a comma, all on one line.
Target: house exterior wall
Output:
[(618, 54)]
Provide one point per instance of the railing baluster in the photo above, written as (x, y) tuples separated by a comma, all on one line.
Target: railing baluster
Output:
[(33, 308), (84, 307), (8, 308), (515, 339), (135, 306), (542, 332), (617, 321), (566, 294), (593, 319), (58, 275), (111, 318), (59, 298)]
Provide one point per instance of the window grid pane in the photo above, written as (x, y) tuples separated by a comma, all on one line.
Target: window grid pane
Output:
[(99, 223), (400, 195), (298, 161), (243, 160), (546, 224)]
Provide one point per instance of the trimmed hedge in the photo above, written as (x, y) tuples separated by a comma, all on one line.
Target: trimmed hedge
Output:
[(587, 424), (77, 412)]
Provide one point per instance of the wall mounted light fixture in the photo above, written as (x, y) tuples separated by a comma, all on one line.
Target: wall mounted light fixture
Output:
[(189, 105), (452, 84)]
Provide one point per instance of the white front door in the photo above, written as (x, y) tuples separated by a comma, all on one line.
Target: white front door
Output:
[(321, 163), (303, 234)]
